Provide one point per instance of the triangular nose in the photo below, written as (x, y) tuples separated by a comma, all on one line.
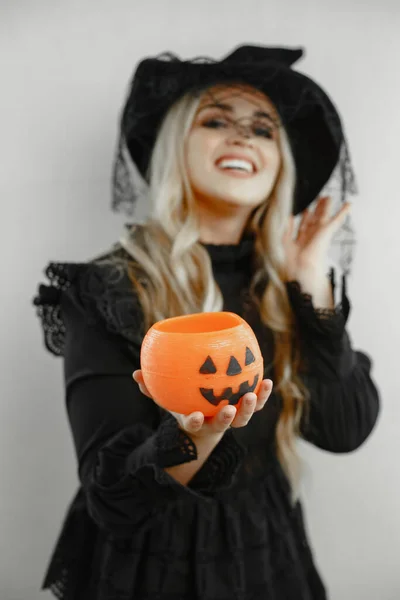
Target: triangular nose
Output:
[(233, 368)]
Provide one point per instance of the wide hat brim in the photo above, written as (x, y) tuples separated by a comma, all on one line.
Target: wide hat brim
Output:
[(308, 115)]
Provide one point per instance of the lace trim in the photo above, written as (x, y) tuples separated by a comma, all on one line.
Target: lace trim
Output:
[(174, 446), (166, 447), (105, 291), (321, 321), (221, 467), (48, 308)]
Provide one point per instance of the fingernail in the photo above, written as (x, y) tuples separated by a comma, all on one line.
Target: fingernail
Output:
[(228, 415)]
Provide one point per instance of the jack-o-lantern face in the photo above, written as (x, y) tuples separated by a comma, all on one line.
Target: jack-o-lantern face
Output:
[(234, 368), (201, 362)]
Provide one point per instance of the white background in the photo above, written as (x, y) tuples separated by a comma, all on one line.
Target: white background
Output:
[(64, 72)]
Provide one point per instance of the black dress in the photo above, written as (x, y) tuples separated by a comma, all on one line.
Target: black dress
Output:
[(132, 532)]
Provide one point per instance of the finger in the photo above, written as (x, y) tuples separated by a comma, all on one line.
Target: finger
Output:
[(288, 235), (337, 220), (138, 378), (323, 210), (264, 393), (306, 219), (314, 220), (246, 410), (144, 390), (223, 419), (192, 423), (322, 204), (305, 216)]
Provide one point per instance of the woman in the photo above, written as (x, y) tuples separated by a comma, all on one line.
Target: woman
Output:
[(180, 506)]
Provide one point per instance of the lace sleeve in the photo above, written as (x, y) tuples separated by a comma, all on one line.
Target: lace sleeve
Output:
[(48, 305), (220, 469), (166, 447), (343, 402), (103, 290), (130, 485), (320, 322), (325, 346)]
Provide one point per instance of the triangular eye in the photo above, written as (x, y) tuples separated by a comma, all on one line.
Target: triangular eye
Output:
[(208, 366), (249, 357), (233, 368)]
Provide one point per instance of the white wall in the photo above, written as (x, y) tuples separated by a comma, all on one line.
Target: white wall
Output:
[(64, 72)]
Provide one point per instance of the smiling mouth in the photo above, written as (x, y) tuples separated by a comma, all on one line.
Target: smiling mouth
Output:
[(228, 394), (236, 165)]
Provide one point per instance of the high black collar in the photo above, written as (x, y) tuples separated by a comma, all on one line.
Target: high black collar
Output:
[(232, 254)]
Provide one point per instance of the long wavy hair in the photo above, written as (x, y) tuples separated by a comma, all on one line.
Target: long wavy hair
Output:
[(178, 270)]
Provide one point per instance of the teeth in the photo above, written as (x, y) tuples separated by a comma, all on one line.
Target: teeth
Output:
[(236, 163)]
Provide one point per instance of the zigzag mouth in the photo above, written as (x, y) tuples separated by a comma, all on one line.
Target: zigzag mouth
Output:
[(228, 394)]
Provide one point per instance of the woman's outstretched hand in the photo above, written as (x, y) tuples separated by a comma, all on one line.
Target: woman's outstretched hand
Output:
[(307, 251), (197, 425)]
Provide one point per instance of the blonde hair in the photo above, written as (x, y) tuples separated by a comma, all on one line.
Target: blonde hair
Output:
[(178, 270)]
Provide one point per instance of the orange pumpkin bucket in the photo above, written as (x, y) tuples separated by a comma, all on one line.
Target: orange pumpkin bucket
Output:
[(201, 362)]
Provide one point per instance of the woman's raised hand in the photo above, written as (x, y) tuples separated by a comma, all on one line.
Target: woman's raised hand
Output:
[(308, 249), (197, 425)]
